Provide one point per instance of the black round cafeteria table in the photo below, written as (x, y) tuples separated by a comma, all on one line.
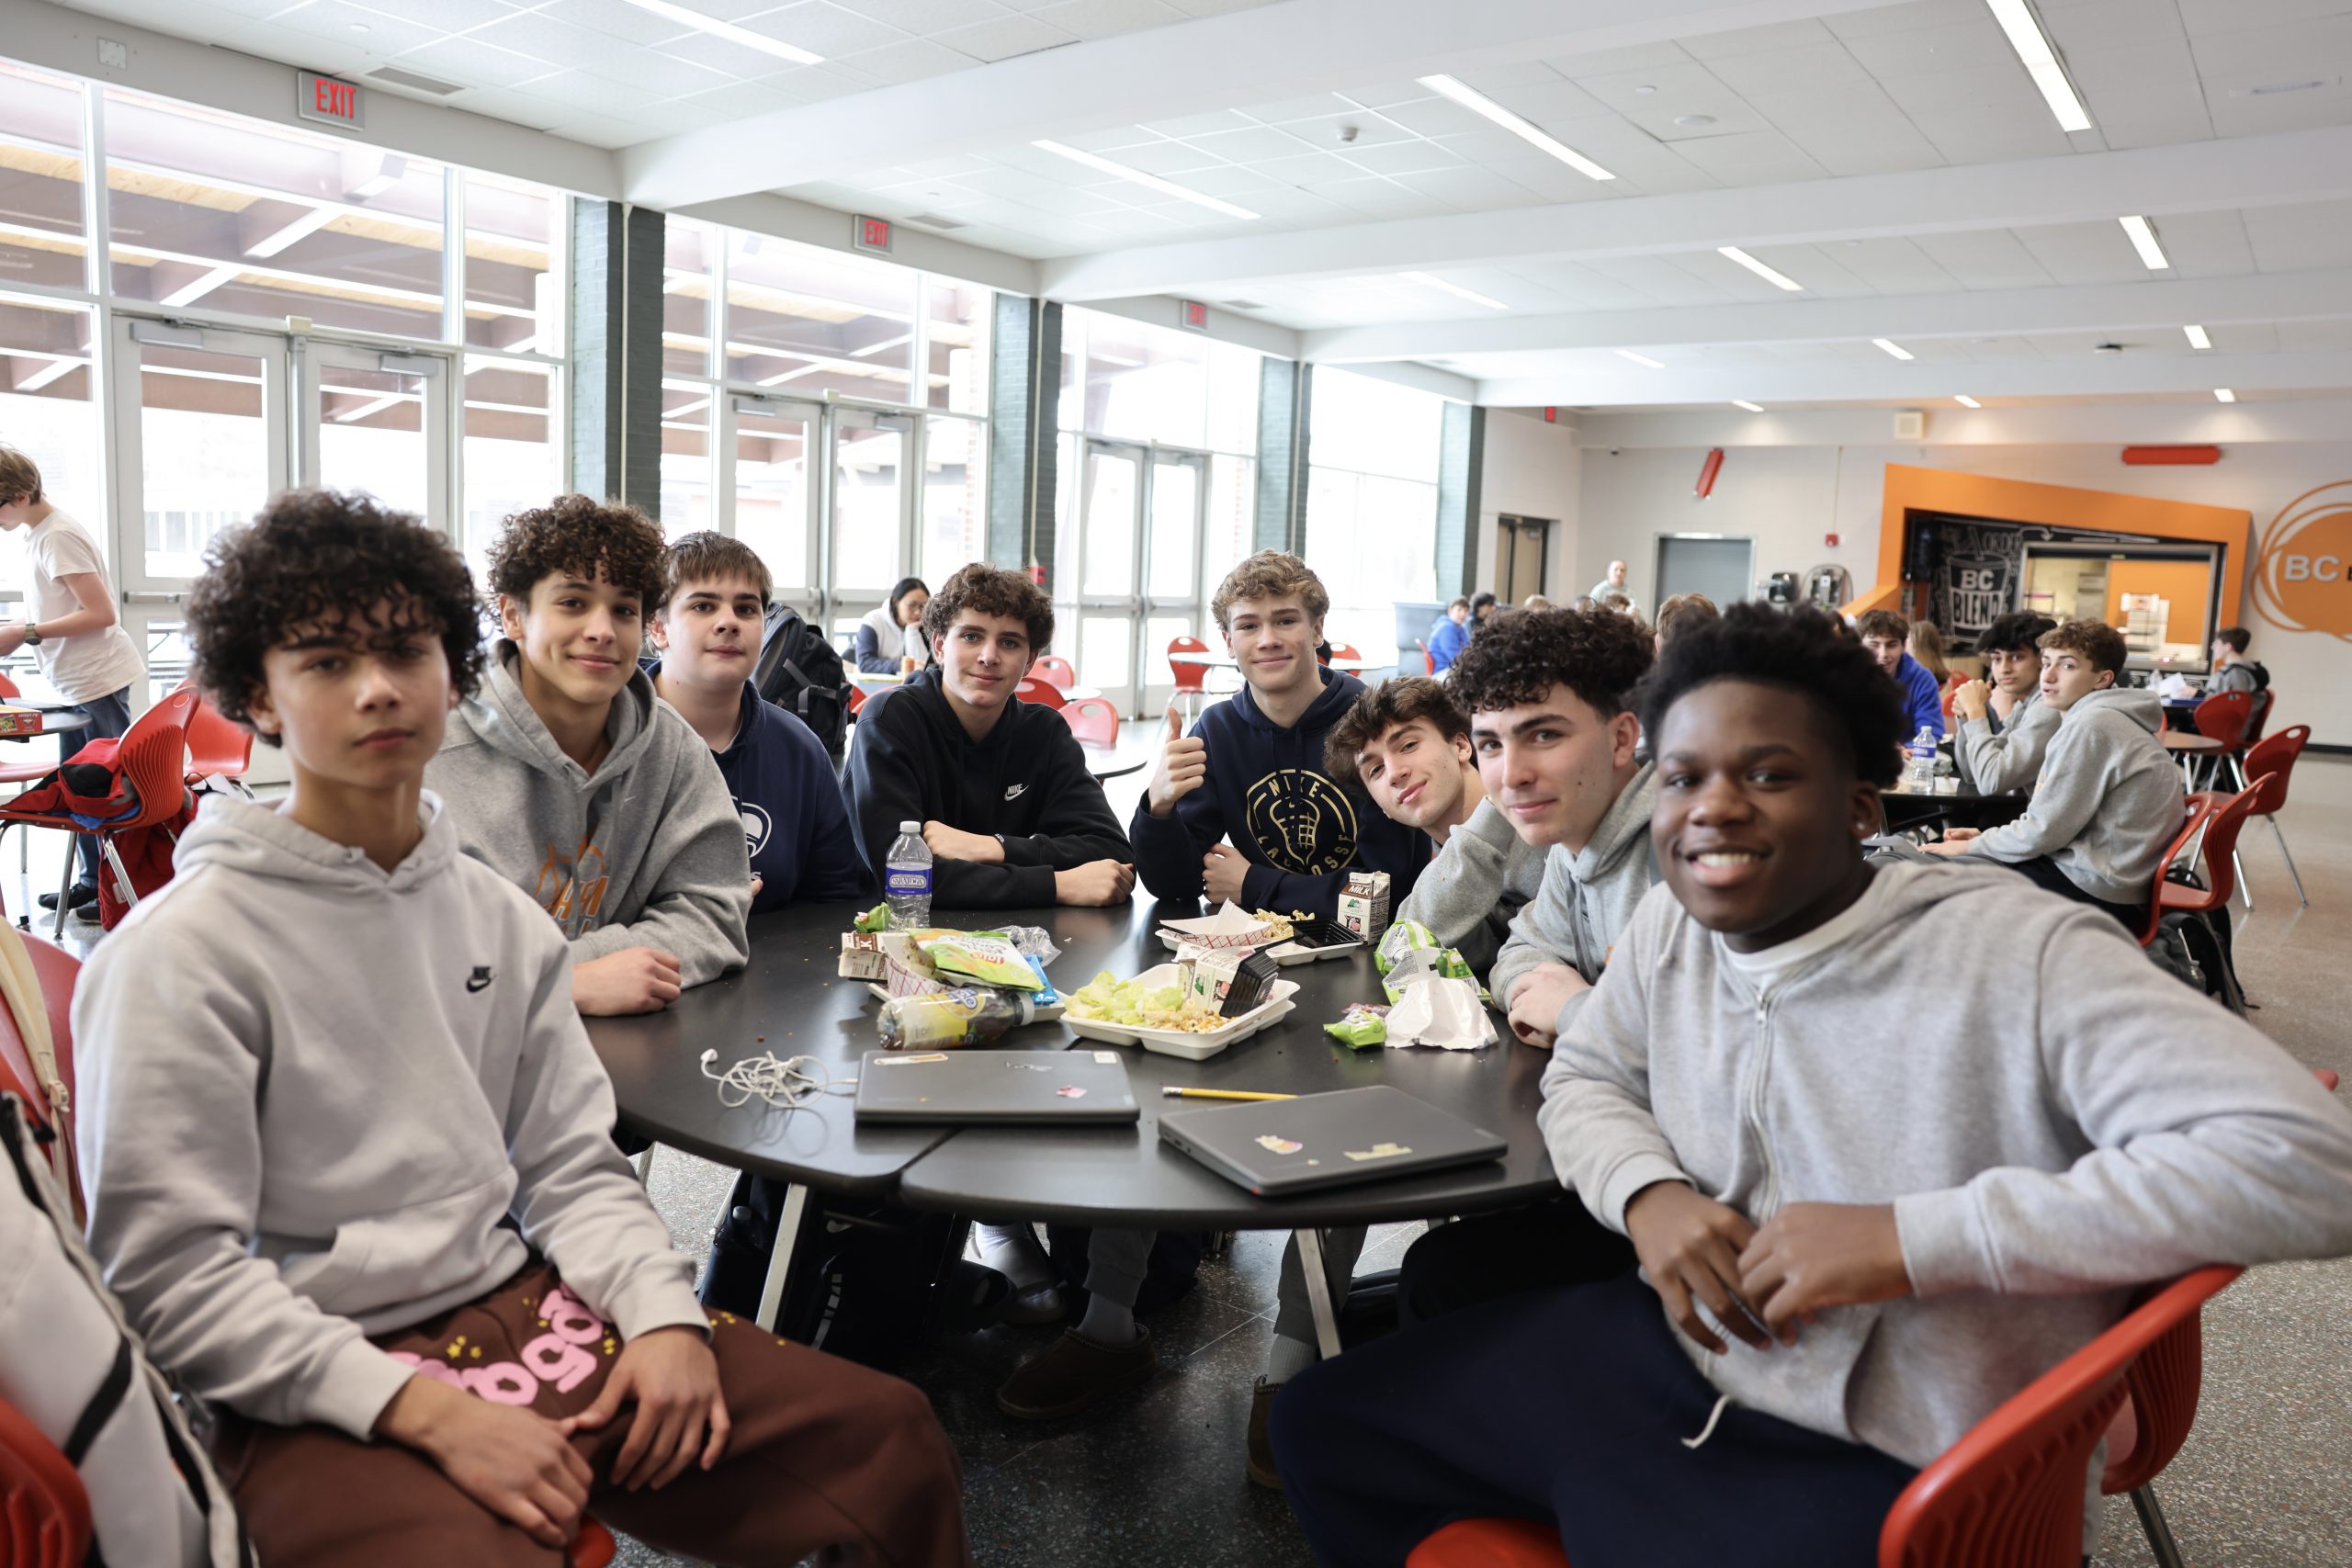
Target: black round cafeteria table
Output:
[(1095, 1176), (1960, 805)]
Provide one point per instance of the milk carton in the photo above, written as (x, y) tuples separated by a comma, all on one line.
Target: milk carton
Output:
[(1363, 903)]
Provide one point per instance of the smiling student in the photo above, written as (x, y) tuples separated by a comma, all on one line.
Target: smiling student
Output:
[(707, 625), (1888, 637), (379, 1223), (581, 786), (2005, 726), (1241, 809), (2109, 800), (1849, 1255)]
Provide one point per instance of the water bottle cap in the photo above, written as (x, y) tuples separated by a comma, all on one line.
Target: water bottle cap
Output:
[(914, 828)]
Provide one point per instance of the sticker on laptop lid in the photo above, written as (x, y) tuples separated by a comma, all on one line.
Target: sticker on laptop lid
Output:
[(1378, 1151), (911, 1061), (1070, 1091), (1106, 1058), (1275, 1145)]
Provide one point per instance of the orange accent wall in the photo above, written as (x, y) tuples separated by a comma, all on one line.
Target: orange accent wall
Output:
[(2063, 506), (2183, 582)]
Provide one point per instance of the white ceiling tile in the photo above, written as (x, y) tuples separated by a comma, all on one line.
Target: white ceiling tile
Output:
[(475, 64), (2084, 252), (1252, 144), (1606, 61), (1306, 169), (816, 83), (2146, 100), (1470, 190), (2161, 130), (924, 18), (1771, 38), (909, 60), (600, 130), (1401, 158), (1811, 69), (448, 15), (1315, 106), (1753, 158), (1892, 267), (2250, 337), (1492, 79), (2086, 33), (2121, 60), (1387, 92), (660, 73), (1217, 8), (1930, 50), (2206, 244), (1367, 129), (1200, 124), (1542, 102), (722, 55), (822, 28), (1828, 106), (1918, 15), (1985, 258), (334, 20), (1229, 180), (1436, 117), (1156, 158), (514, 107), (1004, 37), (2201, 17), (2297, 239), (2237, 110), (1110, 139), (1875, 145), (614, 17), (542, 37), (1108, 19)]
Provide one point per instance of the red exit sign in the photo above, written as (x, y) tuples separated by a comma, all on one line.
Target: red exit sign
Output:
[(328, 101), (870, 234), (1195, 315)]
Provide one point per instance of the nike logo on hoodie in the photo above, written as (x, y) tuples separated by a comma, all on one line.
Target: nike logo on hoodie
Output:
[(1014, 791)]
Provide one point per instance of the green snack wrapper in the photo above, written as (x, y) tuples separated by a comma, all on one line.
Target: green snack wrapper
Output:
[(1403, 937), (877, 919), (1359, 1028), (981, 960)]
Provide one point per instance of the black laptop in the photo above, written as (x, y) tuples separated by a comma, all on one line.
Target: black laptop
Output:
[(963, 1086), (1275, 1148)]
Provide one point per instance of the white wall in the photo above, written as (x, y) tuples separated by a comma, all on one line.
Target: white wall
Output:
[(1531, 470)]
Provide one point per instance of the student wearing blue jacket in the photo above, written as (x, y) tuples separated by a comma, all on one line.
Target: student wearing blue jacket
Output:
[(1251, 770), (714, 602), (1888, 637), (1449, 637)]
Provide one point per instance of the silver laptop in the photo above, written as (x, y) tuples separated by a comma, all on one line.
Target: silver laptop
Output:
[(965, 1086), (1278, 1147)]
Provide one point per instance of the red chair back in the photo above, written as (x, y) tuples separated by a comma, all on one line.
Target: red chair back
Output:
[(2270, 761), (2227, 815), (1043, 692), (1093, 721), (56, 969), (2011, 1491), (8, 689), (2200, 809), (1347, 651), (1053, 667), (44, 1512), (2224, 716), (856, 698), (1491, 1543), (1190, 676), (217, 748), (594, 1546), (153, 756)]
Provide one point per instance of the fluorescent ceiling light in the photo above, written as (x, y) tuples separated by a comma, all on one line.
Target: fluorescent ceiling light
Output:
[(1641, 358), (885, 343), (1744, 403), (2223, 395), (2196, 338), (1896, 349), (2143, 240), (2041, 62), (727, 30), (1475, 297), (1166, 188), (1477, 103), (1777, 279), (1964, 401)]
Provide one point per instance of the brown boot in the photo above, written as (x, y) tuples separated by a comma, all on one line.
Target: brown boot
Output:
[(1261, 1437), (1074, 1372)]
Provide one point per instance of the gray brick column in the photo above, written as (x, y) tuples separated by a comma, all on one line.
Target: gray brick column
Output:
[(1462, 458), (615, 307), (1285, 388), (1024, 405)]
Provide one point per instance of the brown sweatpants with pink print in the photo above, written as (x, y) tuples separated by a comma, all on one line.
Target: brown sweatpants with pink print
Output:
[(826, 1456)]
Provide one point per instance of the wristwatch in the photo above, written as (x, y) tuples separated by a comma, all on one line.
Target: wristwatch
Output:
[(32, 635)]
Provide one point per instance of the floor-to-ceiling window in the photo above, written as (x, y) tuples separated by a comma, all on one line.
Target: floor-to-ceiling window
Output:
[(1372, 503)]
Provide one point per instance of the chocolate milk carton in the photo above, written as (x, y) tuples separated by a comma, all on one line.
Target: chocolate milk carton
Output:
[(1363, 903)]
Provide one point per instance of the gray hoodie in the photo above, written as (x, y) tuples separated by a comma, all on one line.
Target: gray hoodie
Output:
[(2049, 1136), (1993, 758), (321, 1101), (1484, 873), (1586, 898), (2107, 804), (647, 854)]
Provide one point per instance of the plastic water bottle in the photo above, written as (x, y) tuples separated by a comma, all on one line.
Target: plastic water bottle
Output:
[(1920, 776), (906, 879)]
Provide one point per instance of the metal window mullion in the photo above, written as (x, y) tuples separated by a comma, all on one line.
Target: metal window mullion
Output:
[(453, 256), (722, 459), (714, 353)]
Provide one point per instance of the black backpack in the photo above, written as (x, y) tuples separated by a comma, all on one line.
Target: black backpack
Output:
[(802, 673)]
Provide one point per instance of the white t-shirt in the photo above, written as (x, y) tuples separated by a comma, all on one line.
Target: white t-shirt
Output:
[(95, 664), (1766, 967)]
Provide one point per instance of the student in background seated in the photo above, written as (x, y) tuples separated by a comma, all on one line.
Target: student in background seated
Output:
[(2004, 728), (2232, 671), (577, 784), (348, 1155), (1251, 771), (1680, 614), (1849, 1253), (2108, 799), (1887, 635), (1484, 608), (571, 779), (1925, 645), (707, 627), (1013, 818), (1449, 636), (891, 633)]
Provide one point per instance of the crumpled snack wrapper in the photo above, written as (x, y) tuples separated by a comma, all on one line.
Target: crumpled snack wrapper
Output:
[(1438, 1011)]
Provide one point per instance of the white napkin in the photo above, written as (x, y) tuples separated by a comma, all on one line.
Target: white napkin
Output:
[(1438, 1010)]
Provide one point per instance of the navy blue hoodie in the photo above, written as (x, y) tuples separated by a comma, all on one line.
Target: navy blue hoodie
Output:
[(1267, 792)]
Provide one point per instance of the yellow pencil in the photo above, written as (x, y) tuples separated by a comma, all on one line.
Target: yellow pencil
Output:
[(1173, 1092)]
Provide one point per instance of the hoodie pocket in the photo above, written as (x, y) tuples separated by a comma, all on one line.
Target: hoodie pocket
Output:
[(408, 1254)]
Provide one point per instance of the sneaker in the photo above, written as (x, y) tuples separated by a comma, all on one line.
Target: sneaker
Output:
[(1261, 1437), (89, 911), (1073, 1373), (81, 893)]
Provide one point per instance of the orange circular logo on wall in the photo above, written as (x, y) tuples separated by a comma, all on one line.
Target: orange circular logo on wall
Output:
[(2302, 574)]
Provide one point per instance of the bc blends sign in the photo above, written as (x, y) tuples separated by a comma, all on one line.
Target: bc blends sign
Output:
[(2302, 579)]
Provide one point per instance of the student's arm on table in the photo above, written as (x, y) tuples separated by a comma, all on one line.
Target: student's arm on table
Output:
[(871, 659), (1077, 836), (2073, 785), (697, 912), (1538, 952)]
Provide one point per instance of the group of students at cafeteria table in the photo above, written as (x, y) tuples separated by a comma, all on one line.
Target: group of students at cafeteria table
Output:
[(481, 844)]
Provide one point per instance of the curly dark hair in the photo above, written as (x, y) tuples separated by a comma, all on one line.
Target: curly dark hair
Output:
[(1860, 711), (323, 559), (575, 535), (987, 589), (1599, 655)]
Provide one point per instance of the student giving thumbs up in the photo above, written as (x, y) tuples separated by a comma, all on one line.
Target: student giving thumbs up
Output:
[(1184, 767)]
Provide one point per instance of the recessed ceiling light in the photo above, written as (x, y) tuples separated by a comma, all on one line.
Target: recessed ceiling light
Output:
[(1896, 349), (1166, 188), (2196, 338), (1744, 403), (1455, 288), (1695, 119), (2223, 395), (1964, 401), (2143, 240), (2041, 62), (1526, 130), (1644, 91), (1641, 359), (728, 30), (1777, 279)]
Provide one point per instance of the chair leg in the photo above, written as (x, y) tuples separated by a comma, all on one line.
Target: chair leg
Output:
[(66, 885), (2238, 865), (2151, 1519), (2289, 859)]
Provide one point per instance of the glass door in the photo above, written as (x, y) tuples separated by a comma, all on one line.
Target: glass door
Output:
[(378, 422), (872, 507), (1175, 508), (1110, 598), (775, 440)]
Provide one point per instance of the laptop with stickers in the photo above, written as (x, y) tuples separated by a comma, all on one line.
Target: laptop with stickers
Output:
[(1082, 1087), (1279, 1147)]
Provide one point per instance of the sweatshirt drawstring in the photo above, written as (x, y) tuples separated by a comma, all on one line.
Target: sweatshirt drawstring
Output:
[(1709, 1430)]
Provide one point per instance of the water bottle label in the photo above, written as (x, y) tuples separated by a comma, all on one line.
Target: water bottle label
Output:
[(907, 880)]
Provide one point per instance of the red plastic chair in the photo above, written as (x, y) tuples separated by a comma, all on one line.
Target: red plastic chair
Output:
[(1192, 677), (2010, 1494), (218, 747), (153, 756), (57, 970), (856, 700), (2226, 814), (1347, 651), (44, 1512), (2226, 716), (2200, 810), (1043, 692), (2271, 761), (594, 1546), (1093, 721), (1053, 667)]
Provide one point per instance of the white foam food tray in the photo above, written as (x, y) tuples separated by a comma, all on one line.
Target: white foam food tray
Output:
[(1177, 1041)]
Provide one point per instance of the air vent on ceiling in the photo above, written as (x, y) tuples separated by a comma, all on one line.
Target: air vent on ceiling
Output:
[(393, 76), (1243, 304), (934, 220)]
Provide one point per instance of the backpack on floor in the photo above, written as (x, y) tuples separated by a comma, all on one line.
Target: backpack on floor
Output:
[(801, 672), (2197, 948), (72, 1366)]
